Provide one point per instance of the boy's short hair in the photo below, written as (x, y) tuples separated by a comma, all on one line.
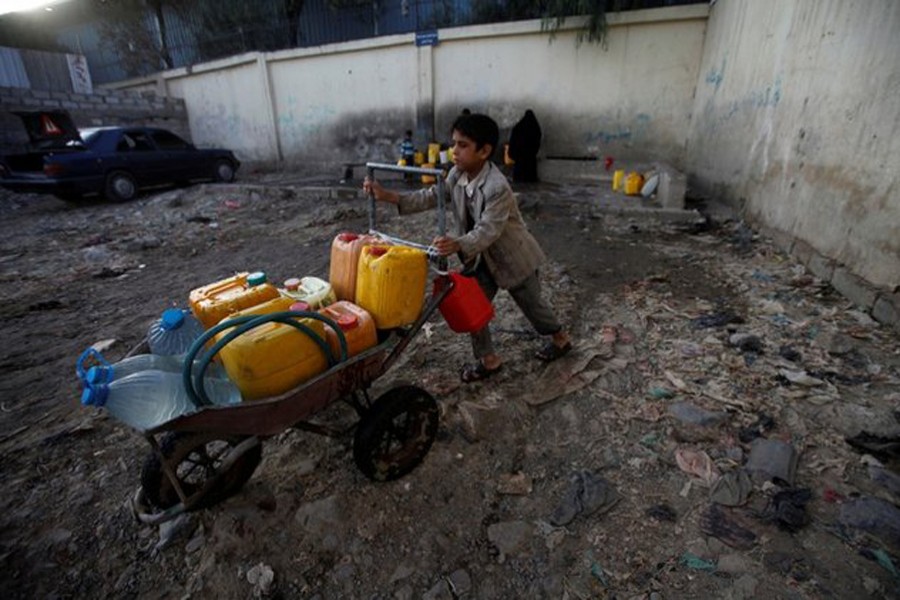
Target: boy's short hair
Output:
[(481, 129), (409, 133)]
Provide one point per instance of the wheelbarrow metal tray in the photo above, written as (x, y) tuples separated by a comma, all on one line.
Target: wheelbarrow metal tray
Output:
[(273, 415)]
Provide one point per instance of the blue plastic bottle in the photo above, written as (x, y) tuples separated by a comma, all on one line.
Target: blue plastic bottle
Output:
[(173, 332), (150, 398), (148, 362)]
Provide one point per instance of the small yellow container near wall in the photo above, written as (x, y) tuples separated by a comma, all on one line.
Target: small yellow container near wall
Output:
[(428, 178), (273, 358), (506, 159), (390, 284), (434, 153), (618, 180), (633, 183), (212, 303)]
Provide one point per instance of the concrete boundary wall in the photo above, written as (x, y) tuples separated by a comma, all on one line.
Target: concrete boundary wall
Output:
[(797, 120), (103, 107), (351, 102)]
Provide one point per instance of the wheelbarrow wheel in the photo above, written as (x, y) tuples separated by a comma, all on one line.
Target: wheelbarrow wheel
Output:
[(396, 433), (195, 458)]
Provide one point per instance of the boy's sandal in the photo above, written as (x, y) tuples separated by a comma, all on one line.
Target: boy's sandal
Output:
[(551, 351), (476, 372)]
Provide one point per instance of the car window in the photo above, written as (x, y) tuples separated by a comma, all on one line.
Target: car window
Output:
[(90, 137), (134, 141), (169, 141)]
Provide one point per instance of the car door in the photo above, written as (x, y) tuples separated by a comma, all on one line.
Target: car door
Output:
[(179, 156), (137, 154)]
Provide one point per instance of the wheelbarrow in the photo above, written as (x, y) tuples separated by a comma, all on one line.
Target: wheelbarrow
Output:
[(201, 458)]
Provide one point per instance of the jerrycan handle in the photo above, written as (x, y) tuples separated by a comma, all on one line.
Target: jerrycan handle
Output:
[(90, 353)]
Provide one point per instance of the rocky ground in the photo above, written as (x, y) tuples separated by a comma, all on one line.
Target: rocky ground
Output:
[(694, 445)]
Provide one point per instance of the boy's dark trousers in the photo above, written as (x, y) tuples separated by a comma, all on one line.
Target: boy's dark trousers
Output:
[(527, 295)]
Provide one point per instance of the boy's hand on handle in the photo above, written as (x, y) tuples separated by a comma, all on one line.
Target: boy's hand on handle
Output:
[(446, 245), (371, 186)]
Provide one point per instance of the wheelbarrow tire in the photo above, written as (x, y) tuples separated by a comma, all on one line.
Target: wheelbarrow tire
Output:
[(396, 433), (195, 458)]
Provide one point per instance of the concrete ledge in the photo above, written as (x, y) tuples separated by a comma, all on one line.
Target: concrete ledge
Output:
[(854, 287), (782, 239), (802, 251), (662, 215), (821, 266), (887, 310)]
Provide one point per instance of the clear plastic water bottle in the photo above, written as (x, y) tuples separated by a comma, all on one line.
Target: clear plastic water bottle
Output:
[(150, 398), (148, 362), (173, 332)]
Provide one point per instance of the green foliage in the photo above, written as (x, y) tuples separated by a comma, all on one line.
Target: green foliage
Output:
[(556, 11), (229, 27), (553, 14), (136, 31)]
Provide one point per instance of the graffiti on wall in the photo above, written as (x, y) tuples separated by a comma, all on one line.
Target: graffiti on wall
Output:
[(611, 131), (715, 75)]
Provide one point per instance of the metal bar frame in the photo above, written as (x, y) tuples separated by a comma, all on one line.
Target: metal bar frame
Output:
[(371, 167)]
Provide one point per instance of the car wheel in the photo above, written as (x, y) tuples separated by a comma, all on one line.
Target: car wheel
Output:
[(224, 171), (120, 186)]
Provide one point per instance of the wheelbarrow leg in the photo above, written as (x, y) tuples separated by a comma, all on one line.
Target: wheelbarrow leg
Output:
[(360, 406), (167, 469)]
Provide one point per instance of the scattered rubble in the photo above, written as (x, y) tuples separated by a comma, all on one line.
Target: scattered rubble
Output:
[(727, 425)]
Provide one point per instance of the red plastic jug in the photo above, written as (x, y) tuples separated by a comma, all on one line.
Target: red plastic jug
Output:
[(465, 308)]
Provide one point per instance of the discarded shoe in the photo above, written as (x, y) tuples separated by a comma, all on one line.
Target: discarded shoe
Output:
[(551, 351), (476, 372)]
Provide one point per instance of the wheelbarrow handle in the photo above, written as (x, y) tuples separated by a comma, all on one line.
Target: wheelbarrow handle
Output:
[(438, 174)]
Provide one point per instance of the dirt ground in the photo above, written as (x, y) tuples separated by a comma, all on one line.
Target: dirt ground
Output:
[(652, 309)]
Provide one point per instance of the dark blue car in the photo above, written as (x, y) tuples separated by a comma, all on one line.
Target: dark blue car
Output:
[(111, 161)]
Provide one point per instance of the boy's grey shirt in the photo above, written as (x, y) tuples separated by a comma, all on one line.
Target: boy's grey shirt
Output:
[(500, 235)]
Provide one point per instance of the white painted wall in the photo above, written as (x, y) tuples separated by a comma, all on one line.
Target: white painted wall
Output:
[(228, 107), (797, 112), (352, 102), (630, 99), (344, 104)]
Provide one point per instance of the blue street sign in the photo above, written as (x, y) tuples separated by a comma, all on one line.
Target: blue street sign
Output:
[(427, 38)]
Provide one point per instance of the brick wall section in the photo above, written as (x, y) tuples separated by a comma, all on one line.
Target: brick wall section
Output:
[(883, 304), (103, 107)]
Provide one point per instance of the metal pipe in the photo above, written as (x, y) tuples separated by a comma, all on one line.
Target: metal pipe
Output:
[(441, 214), (442, 217), (401, 241), (371, 166), (370, 173)]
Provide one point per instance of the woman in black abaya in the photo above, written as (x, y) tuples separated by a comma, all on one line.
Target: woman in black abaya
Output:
[(524, 143)]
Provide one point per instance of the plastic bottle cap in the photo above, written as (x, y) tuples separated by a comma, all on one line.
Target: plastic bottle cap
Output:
[(97, 375), (172, 318), (95, 395), (299, 307), (376, 250), (291, 284), (257, 278), (347, 237), (347, 322)]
